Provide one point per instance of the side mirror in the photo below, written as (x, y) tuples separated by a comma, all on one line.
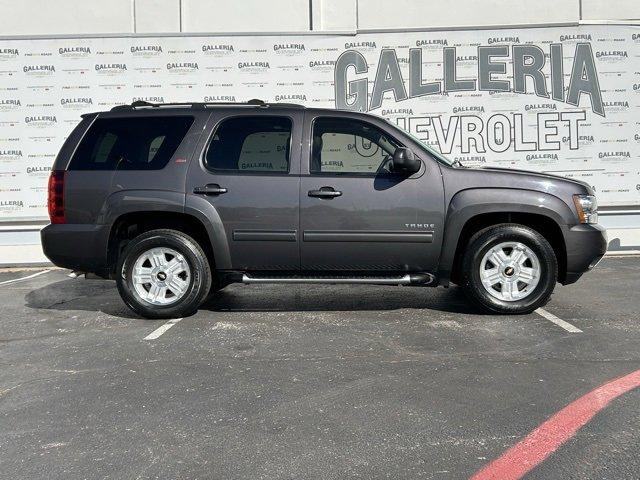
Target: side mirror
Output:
[(405, 161)]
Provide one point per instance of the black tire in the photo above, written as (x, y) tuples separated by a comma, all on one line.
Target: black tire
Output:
[(199, 282), (479, 245)]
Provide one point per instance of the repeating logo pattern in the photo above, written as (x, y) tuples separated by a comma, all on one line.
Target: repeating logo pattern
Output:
[(560, 100)]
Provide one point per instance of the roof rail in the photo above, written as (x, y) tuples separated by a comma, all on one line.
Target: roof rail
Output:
[(138, 104)]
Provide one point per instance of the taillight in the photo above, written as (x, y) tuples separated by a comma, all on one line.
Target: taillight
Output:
[(55, 201)]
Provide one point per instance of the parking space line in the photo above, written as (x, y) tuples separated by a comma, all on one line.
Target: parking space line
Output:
[(558, 321), (520, 459), (160, 330), (24, 278)]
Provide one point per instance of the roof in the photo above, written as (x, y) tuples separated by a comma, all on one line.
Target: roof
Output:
[(255, 103)]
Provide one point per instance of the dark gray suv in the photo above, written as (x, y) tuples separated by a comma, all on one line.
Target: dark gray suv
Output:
[(175, 201)]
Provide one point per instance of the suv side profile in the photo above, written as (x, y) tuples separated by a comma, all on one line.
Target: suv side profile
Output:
[(176, 201)]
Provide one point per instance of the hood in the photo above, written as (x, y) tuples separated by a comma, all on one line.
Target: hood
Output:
[(494, 177), (534, 175)]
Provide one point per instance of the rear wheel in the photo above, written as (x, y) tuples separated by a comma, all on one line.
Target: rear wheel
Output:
[(163, 274), (509, 268)]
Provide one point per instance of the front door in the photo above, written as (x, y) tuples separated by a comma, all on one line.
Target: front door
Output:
[(356, 213), (250, 174)]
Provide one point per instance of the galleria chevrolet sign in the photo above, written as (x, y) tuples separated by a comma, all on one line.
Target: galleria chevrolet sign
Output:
[(352, 80)]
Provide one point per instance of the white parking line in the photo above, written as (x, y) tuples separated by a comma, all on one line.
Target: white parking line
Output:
[(24, 278), (160, 330), (558, 321)]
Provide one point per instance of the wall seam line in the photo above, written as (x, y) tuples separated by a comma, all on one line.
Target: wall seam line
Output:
[(133, 16)]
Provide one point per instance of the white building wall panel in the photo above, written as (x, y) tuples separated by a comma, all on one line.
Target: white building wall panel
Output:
[(62, 17), (610, 10), (65, 17), (335, 15), (377, 14), (157, 16), (245, 16)]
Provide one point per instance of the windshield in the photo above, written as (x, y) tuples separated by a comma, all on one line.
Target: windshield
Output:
[(437, 155)]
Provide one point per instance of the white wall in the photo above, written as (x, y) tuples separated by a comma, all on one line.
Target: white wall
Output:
[(335, 15), (60, 17), (43, 17), (375, 14), (152, 16), (247, 16), (610, 10)]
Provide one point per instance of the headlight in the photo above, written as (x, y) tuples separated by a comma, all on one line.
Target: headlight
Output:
[(587, 207)]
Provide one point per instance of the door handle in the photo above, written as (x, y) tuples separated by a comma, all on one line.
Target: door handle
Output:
[(324, 192), (210, 189)]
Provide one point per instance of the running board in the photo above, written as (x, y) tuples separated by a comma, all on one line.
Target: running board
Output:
[(407, 279)]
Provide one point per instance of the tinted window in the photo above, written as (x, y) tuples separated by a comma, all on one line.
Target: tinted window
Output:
[(251, 144), (140, 143), (350, 146)]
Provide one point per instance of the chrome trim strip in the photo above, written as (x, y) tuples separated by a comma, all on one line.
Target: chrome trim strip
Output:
[(403, 280)]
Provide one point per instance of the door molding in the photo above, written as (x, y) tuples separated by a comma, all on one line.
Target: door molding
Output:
[(268, 235), (383, 236)]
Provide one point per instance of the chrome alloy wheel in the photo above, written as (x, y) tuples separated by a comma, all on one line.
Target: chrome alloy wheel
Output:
[(161, 276), (510, 271)]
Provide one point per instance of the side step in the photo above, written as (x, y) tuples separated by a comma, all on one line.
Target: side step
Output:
[(407, 279)]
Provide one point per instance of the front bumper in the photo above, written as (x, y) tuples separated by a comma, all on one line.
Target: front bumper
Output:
[(77, 246), (586, 244)]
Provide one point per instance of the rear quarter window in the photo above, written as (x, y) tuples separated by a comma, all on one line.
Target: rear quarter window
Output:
[(131, 143)]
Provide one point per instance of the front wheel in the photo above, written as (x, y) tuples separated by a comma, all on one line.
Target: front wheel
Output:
[(163, 274), (509, 268)]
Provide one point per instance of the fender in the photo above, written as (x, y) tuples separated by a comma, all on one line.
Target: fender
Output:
[(467, 204), (130, 201), (207, 214), (122, 202)]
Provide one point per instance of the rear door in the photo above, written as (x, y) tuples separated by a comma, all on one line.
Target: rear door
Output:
[(249, 172), (356, 214)]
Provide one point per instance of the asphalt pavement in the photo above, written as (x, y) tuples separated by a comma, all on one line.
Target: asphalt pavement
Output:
[(326, 382)]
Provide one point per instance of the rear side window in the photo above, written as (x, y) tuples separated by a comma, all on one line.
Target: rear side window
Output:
[(140, 143), (251, 144)]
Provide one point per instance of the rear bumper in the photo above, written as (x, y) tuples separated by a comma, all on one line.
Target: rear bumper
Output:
[(77, 246), (586, 244)]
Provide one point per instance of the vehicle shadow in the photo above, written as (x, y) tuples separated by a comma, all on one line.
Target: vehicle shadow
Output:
[(82, 295), (102, 296), (312, 298)]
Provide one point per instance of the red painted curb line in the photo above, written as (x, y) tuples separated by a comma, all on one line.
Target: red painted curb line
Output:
[(550, 435)]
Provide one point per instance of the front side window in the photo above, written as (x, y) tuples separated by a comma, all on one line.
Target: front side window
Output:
[(251, 144), (342, 145), (132, 143)]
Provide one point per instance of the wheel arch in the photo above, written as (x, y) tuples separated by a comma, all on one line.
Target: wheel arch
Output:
[(131, 224), (165, 209), (473, 210)]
